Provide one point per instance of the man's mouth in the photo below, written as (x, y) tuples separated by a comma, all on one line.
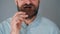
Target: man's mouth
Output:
[(28, 7)]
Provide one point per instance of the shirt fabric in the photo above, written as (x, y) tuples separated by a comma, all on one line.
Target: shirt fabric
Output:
[(40, 25)]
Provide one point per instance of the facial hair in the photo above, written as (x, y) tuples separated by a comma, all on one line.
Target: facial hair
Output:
[(30, 9)]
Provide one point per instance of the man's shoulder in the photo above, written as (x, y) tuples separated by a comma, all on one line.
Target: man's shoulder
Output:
[(47, 26), (48, 23), (6, 23), (5, 26)]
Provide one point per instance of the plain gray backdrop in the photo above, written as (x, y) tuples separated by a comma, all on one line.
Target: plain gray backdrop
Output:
[(50, 9)]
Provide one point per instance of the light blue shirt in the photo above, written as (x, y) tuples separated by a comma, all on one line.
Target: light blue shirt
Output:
[(40, 25)]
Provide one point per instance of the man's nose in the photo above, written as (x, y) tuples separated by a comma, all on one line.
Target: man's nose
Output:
[(28, 1)]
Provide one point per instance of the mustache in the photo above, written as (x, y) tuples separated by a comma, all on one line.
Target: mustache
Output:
[(28, 5), (25, 6)]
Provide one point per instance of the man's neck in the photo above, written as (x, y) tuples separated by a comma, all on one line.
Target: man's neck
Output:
[(28, 21)]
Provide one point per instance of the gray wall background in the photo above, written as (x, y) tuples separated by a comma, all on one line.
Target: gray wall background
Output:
[(49, 8)]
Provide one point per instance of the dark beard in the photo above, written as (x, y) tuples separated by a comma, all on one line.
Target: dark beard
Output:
[(30, 10)]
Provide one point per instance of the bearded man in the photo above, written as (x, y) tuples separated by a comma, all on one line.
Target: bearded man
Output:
[(27, 20)]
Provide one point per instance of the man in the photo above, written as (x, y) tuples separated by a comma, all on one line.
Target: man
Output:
[(27, 20)]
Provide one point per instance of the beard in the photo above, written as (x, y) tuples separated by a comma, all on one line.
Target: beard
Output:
[(30, 9)]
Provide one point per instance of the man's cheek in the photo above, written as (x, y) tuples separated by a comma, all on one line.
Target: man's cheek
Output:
[(20, 3), (35, 3)]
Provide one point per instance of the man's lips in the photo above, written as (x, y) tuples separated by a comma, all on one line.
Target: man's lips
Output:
[(27, 7)]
